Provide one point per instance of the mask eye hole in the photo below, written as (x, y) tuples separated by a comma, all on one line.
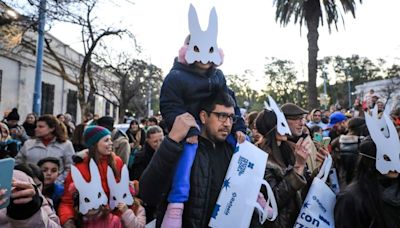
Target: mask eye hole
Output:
[(382, 129), (86, 200), (211, 50), (386, 158), (99, 195), (124, 196), (283, 125), (114, 198), (196, 49)]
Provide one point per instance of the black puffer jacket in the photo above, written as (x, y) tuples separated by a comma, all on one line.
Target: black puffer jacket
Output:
[(156, 180), (183, 90), (353, 210)]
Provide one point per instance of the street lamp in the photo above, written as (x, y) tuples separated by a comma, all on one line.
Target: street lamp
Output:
[(349, 80)]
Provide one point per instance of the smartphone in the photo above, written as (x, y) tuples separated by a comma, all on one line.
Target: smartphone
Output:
[(326, 141), (6, 167), (317, 137)]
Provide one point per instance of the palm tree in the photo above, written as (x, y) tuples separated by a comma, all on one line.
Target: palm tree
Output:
[(310, 12)]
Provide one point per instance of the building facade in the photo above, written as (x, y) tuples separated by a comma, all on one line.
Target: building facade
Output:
[(17, 80)]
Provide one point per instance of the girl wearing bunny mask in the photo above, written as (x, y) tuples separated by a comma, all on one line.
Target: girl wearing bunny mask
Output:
[(90, 179), (193, 77)]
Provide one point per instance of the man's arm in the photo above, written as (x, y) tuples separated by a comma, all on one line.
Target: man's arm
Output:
[(156, 179)]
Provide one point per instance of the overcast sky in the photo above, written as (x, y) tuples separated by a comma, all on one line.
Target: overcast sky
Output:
[(248, 32)]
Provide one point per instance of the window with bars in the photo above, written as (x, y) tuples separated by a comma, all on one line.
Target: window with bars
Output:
[(72, 103), (1, 82), (47, 98)]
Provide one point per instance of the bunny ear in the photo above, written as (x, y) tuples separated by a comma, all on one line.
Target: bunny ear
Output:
[(79, 181), (281, 123), (94, 172), (266, 106), (212, 29), (194, 25), (111, 178), (124, 174)]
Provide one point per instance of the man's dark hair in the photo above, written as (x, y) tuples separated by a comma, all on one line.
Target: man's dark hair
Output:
[(218, 98), (107, 122), (153, 119), (49, 159)]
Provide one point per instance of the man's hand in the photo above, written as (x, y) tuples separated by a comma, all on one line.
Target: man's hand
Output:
[(23, 192), (322, 154), (181, 127), (240, 136), (2, 198), (301, 154), (193, 139)]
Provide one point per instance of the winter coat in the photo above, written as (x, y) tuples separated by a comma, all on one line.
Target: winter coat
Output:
[(287, 186), (133, 138), (184, 89), (36, 213), (156, 180), (33, 150), (29, 129), (351, 209), (346, 157), (121, 145), (142, 160), (21, 136)]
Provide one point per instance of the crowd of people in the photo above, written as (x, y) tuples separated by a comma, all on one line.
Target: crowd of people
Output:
[(44, 149)]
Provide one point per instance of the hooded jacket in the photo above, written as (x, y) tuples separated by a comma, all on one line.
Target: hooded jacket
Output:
[(183, 90)]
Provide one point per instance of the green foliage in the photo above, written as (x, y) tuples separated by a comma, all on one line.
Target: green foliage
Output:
[(243, 90), (282, 82), (356, 68)]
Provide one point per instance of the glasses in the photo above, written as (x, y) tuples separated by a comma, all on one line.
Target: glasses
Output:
[(223, 116)]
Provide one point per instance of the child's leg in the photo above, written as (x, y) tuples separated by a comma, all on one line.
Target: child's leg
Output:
[(181, 182), (180, 188)]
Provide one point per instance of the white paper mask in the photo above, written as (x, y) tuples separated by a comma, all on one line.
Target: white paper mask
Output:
[(91, 194), (281, 123), (386, 146), (203, 44), (119, 192), (381, 122)]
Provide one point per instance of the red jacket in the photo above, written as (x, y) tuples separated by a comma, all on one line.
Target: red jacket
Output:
[(66, 209)]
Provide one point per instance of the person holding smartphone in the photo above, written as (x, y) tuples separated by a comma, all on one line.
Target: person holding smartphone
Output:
[(27, 207)]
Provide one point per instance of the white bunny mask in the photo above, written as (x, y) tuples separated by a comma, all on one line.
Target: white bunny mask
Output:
[(386, 138), (281, 123), (119, 192), (91, 194), (203, 46)]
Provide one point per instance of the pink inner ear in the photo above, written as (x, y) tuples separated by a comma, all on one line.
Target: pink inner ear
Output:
[(182, 54)]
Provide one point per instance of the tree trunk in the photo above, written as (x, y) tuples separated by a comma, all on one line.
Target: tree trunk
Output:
[(312, 19)]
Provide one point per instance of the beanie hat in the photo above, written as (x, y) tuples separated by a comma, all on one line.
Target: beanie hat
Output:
[(13, 115), (93, 134)]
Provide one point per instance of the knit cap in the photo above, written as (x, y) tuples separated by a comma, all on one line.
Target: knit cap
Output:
[(13, 115), (93, 134)]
